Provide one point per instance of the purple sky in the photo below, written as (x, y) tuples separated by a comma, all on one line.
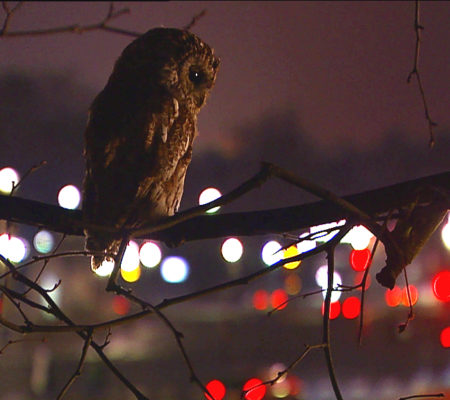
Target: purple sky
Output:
[(341, 66)]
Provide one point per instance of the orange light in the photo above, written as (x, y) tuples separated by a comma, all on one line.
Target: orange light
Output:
[(216, 389), (292, 284), (445, 337), (120, 305), (413, 293), (335, 309), (351, 307), (260, 299), (441, 285), (279, 299), (393, 297), (359, 259), (254, 389)]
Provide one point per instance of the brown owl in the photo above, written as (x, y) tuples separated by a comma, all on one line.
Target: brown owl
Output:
[(138, 141)]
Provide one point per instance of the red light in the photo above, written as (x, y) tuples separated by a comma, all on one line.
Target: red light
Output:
[(254, 394), (120, 305), (393, 297), (359, 259), (216, 389), (279, 299), (445, 337), (260, 299), (413, 293), (335, 309), (441, 286), (351, 307), (359, 277)]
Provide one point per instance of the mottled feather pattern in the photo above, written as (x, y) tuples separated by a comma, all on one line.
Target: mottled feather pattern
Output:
[(140, 133)]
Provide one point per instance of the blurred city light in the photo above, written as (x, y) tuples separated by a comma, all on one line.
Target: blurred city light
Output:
[(292, 284), (8, 178), (393, 296), (326, 237), (358, 237), (69, 197), (305, 245), (291, 251), (43, 242), (150, 254), (13, 248), (322, 280), (278, 299), (260, 299), (174, 269), (120, 305), (335, 309), (130, 260), (359, 259), (351, 307), (413, 294), (208, 195), (445, 233), (280, 389), (105, 268), (441, 285), (131, 276), (271, 253), (232, 250), (254, 389), (216, 388), (445, 337)]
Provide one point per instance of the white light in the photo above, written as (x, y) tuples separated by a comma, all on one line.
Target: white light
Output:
[(174, 269), (50, 282), (270, 253), (208, 195), (359, 237), (69, 197), (13, 248), (150, 254), (445, 234), (232, 250), (105, 268), (322, 281), (305, 245), (8, 177), (326, 237), (43, 242), (130, 260)]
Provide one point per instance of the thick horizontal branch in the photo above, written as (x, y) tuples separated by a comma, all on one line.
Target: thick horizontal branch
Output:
[(377, 201)]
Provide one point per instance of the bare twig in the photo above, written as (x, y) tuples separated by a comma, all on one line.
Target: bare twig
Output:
[(415, 72), (11, 342), (418, 396), (32, 169), (195, 19), (76, 28), (9, 14), (410, 317)]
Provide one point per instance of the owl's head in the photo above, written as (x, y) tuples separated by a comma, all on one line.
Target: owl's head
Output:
[(171, 61)]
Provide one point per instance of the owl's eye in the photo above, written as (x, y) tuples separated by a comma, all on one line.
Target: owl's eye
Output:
[(196, 76)]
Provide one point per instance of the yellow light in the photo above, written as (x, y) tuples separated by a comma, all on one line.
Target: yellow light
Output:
[(291, 251), (131, 276)]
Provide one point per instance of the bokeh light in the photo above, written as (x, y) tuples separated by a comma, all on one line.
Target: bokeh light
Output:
[(150, 254), (260, 299), (13, 248), (271, 253), (351, 307), (43, 242), (441, 285), (8, 178), (278, 299), (393, 296), (325, 237), (69, 197), (291, 251), (281, 389), (445, 233), (413, 294), (120, 305), (216, 388), (105, 268), (232, 250), (130, 260), (335, 309), (174, 269), (445, 337), (322, 281), (292, 284), (254, 389), (359, 259), (208, 195), (274, 370), (305, 245), (359, 237), (131, 276)]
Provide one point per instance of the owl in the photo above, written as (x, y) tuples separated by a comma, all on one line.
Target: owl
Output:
[(140, 132)]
